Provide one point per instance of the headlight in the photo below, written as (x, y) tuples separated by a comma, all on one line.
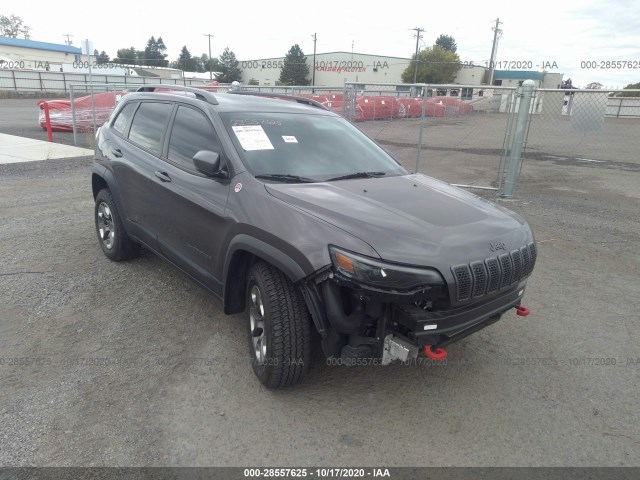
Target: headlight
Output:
[(379, 274)]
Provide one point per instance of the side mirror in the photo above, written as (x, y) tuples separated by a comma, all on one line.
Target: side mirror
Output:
[(208, 162)]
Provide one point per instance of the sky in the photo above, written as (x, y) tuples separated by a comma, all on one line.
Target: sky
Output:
[(564, 33)]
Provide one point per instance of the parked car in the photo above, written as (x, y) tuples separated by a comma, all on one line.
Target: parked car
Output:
[(290, 214)]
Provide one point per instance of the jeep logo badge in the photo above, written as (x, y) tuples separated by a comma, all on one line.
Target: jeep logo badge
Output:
[(494, 247)]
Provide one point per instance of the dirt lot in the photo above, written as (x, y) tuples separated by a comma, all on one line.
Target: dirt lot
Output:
[(133, 364)]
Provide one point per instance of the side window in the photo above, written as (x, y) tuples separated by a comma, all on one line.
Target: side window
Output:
[(191, 133), (122, 121), (148, 124)]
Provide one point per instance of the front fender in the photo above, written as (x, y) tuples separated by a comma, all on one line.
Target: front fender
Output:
[(269, 253)]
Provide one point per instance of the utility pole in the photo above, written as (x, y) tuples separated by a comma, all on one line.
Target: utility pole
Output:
[(68, 40), (313, 75), (496, 33), (210, 71), (418, 31)]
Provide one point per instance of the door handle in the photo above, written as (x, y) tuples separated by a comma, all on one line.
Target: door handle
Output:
[(116, 152), (164, 176)]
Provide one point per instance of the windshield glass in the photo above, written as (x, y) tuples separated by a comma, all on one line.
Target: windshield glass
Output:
[(313, 147)]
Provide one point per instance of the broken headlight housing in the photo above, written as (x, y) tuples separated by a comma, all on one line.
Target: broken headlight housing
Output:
[(379, 274)]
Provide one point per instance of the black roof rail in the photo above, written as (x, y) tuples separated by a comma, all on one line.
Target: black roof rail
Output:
[(198, 92), (284, 96)]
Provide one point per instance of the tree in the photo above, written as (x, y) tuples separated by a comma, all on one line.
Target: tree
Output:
[(294, 69), (154, 53), (567, 84), (13, 26), (594, 86), (204, 62), (185, 61), (447, 42), (101, 58), (126, 56), (229, 67), (435, 65), (631, 86)]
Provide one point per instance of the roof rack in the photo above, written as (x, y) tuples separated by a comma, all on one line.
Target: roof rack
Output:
[(305, 101), (199, 93)]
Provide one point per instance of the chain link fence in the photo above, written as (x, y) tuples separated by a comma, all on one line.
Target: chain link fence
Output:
[(472, 136), (457, 133), (468, 135), (584, 126)]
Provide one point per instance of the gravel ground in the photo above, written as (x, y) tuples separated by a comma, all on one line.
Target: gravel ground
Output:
[(132, 364)]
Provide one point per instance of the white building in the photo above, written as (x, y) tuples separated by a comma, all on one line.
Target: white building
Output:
[(18, 54), (331, 69)]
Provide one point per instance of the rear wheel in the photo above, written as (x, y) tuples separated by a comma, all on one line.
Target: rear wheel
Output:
[(112, 236), (279, 327)]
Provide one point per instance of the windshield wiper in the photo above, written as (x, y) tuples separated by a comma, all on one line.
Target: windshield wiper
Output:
[(283, 177), (358, 175)]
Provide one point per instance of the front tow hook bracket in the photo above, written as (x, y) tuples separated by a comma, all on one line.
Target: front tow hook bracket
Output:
[(522, 311), (437, 354)]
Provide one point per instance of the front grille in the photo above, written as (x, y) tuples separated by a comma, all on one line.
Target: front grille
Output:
[(533, 253), (487, 276), (524, 253), (463, 281), (493, 266), (517, 265), (479, 279), (507, 270)]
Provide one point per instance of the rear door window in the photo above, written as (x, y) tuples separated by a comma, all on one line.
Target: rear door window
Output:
[(149, 124), (191, 133)]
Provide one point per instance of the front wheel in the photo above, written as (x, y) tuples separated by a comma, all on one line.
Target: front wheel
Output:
[(279, 327), (112, 236)]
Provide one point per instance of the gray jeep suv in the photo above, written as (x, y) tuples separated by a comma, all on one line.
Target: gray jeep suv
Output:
[(289, 213)]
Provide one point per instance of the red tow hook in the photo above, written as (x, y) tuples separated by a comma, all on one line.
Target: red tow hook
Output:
[(522, 311), (437, 354)]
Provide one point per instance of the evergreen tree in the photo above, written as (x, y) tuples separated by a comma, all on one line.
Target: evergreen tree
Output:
[(295, 69), (154, 53), (126, 56), (101, 58), (229, 68), (185, 61), (447, 42)]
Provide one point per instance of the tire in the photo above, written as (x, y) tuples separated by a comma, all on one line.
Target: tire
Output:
[(279, 327), (112, 236)]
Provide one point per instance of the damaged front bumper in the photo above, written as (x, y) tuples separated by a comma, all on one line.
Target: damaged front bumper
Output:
[(357, 321)]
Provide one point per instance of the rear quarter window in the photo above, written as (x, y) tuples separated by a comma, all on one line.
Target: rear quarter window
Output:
[(123, 119)]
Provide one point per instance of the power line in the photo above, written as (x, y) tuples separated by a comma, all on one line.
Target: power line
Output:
[(210, 62), (68, 40), (313, 75), (496, 33), (418, 31)]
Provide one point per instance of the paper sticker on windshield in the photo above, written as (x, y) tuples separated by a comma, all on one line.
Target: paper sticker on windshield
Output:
[(289, 139), (252, 137)]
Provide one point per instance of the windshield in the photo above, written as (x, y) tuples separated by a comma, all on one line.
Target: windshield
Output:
[(290, 146)]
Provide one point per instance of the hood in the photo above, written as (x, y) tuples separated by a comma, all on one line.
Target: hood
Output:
[(411, 219)]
